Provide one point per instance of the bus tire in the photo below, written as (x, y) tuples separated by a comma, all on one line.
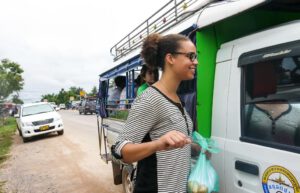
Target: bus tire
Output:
[(127, 179)]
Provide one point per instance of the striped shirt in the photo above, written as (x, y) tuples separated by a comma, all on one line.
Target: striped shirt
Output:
[(152, 115)]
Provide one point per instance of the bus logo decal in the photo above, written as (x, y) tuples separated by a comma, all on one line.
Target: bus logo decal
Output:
[(277, 179)]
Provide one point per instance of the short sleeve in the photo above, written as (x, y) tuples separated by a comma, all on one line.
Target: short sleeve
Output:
[(142, 88), (141, 119)]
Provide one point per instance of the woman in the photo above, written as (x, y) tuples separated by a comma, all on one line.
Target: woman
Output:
[(158, 129), (148, 77)]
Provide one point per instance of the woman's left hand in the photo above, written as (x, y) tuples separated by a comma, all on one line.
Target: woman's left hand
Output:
[(196, 149)]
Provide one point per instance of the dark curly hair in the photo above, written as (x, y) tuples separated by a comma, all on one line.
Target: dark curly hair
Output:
[(155, 47), (144, 70)]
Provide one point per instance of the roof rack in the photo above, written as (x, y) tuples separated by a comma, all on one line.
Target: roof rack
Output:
[(166, 17)]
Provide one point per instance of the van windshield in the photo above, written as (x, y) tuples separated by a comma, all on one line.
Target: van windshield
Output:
[(36, 109)]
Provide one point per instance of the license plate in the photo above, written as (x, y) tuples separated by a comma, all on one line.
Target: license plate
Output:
[(45, 127)]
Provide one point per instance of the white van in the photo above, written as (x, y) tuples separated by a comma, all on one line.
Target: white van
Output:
[(257, 76), (37, 119)]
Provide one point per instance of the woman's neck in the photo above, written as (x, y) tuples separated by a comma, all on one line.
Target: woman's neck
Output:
[(168, 85)]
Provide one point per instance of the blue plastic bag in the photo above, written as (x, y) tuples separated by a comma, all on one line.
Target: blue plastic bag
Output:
[(203, 177)]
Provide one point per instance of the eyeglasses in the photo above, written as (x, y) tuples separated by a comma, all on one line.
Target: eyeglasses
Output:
[(190, 55)]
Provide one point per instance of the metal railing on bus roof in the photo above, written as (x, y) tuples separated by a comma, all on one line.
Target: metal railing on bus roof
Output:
[(166, 17)]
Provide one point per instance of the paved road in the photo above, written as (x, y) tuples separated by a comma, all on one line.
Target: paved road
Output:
[(60, 164)]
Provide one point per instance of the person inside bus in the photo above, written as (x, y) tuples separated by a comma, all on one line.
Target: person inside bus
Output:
[(271, 119), (115, 91), (274, 121), (137, 84), (124, 101), (157, 133), (148, 77)]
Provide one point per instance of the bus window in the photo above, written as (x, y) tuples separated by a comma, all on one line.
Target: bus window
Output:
[(115, 90), (271, 106)]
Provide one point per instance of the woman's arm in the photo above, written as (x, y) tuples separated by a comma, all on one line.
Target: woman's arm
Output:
[(134, 152)]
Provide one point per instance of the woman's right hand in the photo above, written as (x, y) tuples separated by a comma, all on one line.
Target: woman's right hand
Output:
[(171, 140)]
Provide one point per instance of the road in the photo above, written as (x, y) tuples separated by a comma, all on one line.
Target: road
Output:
[(60, 164)]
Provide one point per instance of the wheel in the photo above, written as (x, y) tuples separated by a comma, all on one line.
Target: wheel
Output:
[(127, 179), (79, 113), (20, 132), (25, 139), (61, 132), (84, 112)]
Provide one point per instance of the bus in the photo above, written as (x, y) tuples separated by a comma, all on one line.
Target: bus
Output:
[(245, 94)]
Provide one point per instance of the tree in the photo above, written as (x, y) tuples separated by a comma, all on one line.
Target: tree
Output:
[(93, 91), (61, 96), (11, 79), (50, 98), (17, 100), (74, 92)]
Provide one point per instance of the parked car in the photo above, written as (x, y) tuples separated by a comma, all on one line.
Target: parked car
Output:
[(37, 119), (62, 106), (54, 106), (75, 104), (87, 106)]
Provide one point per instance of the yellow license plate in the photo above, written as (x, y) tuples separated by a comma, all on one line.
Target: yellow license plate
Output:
[(45, 127)]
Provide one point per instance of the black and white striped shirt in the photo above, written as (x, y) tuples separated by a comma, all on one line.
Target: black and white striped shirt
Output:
[(152, 115)]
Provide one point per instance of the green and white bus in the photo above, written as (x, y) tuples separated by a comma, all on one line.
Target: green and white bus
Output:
[(245, 95)]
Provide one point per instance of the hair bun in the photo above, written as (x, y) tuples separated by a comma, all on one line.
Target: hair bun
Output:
[(150, 50)]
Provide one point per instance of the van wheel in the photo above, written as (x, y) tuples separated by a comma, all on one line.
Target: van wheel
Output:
[(60, 132), (19, 131), (25, 139), (128, 184), (79, 113)]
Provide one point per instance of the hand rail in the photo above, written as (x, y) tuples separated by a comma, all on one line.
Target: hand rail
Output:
[(166, 17)]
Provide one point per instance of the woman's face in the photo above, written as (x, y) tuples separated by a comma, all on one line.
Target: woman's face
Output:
[(185, 61), (149, 77)]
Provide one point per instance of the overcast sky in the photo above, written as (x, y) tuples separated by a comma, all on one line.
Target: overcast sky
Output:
[(64, 43)]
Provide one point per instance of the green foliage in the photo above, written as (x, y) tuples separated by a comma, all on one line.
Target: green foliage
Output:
[(74, 91), (6, 133), (118, 114), (17, 100), (63, 96), (49, 97), (11, 79), (93, 91)]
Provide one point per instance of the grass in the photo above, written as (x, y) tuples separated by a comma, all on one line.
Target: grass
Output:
[(119, 114), (6, 133), (1, 186)]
